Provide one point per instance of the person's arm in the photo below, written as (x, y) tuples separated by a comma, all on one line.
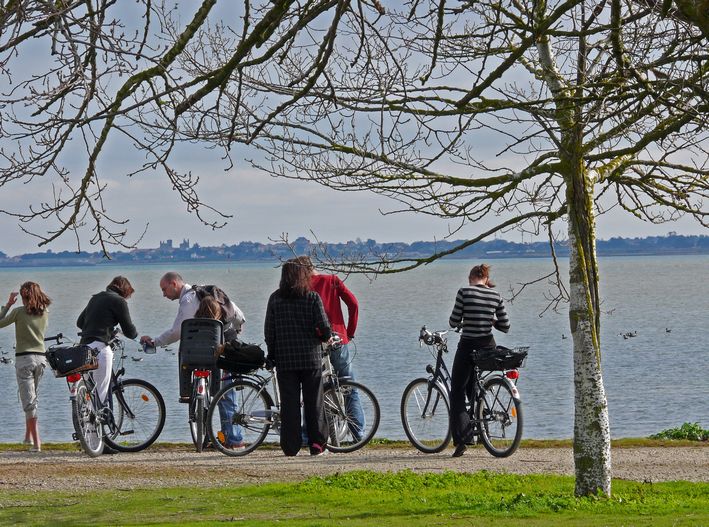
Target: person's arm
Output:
[(125, 321), (269, 330), (457, 314), (502, 323), (240, 318), (5, 319), (322, 324), (187, 309), (352, 307), (81, 319)]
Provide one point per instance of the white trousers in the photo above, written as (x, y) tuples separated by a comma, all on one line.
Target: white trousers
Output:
[(102, 375)]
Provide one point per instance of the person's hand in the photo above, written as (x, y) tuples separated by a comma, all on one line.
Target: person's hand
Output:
[(147, 340), (13, 298)]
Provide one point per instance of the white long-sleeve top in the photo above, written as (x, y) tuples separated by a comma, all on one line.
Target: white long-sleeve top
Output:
[(188, 305)]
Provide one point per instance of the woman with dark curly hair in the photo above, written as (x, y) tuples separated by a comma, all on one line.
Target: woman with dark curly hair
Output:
[(104, 311), (296, 325), (30, 321)]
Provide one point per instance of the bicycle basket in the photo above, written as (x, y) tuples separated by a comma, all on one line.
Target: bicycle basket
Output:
[(74, 359), (499, 358), (240, 357)]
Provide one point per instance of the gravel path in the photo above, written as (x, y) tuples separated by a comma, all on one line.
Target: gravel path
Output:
[(162, 467)]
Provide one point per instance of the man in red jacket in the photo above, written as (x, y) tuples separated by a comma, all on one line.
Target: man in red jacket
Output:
[(333, 292)]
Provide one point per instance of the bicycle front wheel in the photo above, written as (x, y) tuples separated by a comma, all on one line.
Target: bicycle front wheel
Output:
[(500, 418), (138, 416), (86, 423), (425, 415), (240, 416), (352, 415)]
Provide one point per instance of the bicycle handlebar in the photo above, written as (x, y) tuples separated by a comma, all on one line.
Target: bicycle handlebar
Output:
[(58, 337)]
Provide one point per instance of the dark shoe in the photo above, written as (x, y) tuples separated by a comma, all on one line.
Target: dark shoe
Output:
[(107, 450), (317, 450), (459, 450)]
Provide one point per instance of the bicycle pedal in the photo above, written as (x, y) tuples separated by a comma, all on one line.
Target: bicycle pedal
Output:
[(75, 436)]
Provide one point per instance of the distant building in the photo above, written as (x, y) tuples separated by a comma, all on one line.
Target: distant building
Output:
[(185, 245), (166, 245)]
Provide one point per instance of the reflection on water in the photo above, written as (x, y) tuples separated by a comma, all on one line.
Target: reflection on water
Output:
[(653, 381)]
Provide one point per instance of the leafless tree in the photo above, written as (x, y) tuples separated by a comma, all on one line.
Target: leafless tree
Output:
[(535, 113)]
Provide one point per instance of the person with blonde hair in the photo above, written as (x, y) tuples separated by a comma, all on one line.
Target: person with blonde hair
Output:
[(30, 325)]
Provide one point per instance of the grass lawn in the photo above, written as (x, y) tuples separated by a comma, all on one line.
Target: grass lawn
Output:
[(371, 499)]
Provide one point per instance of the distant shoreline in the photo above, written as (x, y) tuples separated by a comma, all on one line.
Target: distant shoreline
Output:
[(254, 252)]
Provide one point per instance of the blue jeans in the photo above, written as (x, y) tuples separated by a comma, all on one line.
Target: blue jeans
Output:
[(227, 406), (342, 363)]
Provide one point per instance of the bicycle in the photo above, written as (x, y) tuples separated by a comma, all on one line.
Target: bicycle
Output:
[(200, 401), (498, 417), (132, 419), (257, 410), (199, 339)]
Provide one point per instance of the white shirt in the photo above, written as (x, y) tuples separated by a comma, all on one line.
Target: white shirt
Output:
[(187, 308)]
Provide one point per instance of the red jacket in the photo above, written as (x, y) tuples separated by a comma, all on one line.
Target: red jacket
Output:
[(331, 290)]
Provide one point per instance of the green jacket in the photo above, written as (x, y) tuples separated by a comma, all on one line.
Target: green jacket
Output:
[(29, 329)]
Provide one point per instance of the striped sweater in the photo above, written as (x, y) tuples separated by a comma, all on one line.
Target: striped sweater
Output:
[(477, 309)]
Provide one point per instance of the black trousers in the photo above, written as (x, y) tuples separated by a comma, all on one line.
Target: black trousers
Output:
[(463, 379), (290, 384)]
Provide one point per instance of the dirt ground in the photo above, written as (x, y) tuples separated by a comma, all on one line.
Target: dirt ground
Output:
[(163, 467)]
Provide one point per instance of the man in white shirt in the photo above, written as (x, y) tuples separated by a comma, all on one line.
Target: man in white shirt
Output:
[(174, 287)]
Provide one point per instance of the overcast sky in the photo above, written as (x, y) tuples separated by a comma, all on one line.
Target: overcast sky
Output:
[(263, 208)]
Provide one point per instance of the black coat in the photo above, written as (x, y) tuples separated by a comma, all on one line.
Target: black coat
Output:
[(104, 311)]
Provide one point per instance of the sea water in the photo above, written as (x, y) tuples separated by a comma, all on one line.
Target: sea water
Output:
[(654, 380)]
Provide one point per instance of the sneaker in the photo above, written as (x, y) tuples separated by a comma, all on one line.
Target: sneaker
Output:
[(35, 449), (236, 446), (459, 450), (318, 450), (27, 442)]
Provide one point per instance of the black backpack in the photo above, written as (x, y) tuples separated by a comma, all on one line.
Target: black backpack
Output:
[(231, 324)]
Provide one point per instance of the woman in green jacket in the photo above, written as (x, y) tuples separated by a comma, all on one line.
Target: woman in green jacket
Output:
[(30, 324)]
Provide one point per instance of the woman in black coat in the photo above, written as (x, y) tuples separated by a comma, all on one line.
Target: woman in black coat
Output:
[(295, 327)]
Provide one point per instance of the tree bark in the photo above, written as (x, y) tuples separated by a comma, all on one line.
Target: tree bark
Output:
[(592, 452)]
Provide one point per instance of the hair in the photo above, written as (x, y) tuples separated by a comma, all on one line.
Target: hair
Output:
[(481, 272), (172, 275), (121, 285), (35, 300), (295, 278), (306, 262), (209, 307)]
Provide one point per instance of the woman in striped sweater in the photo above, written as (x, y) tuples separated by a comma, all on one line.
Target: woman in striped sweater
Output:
[(478, 308)]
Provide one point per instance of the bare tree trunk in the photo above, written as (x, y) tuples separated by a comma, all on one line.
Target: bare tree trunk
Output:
[(592, 453)]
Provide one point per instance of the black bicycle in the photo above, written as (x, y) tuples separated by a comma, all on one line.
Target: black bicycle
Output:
[(133, 417), (497, 415)]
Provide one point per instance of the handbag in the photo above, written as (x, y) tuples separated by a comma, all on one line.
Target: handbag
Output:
[(499, 358), (240, 357), (73, 359)]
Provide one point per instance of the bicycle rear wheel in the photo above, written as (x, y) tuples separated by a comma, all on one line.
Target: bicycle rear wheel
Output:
[(240, 416), (138, 416), (88, 427), (352, 415), (196, 419), (425, 415), (499, 416)]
